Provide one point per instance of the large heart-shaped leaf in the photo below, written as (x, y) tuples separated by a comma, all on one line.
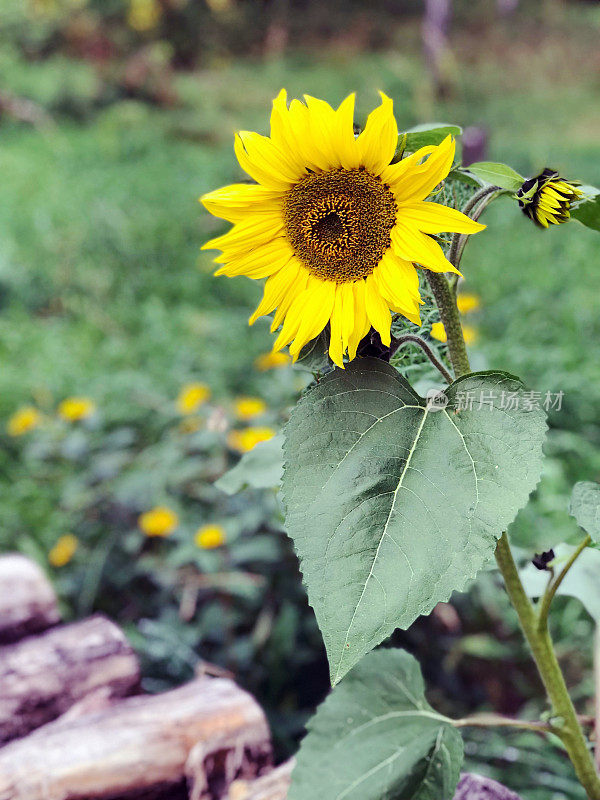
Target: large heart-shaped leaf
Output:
[(376, 736), (392, 503)]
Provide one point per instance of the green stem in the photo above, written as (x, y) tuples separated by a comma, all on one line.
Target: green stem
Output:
[(473, 208), (497, 720), (446, 303), (553, 585), (540, 643), (406, 338)]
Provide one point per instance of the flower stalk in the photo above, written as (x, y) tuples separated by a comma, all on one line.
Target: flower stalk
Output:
[(534, 625)]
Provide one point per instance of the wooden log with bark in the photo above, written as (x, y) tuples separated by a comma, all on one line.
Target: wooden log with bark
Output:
[(27, 601), (143, 747), (42, 676), (273, 786)]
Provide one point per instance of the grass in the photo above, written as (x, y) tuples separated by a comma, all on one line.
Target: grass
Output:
[(104, 291)]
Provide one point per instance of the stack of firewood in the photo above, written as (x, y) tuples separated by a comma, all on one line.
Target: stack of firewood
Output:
[(75, 725)]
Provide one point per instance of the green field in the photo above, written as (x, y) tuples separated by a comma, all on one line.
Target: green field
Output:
[(104, 293)]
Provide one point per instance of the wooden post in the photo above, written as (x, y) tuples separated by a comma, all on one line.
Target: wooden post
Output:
[(27, 601), (42, 676), (140, 746)]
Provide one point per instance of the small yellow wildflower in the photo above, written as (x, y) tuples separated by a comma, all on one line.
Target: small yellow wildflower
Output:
[(24, 420), (249, 407), (467, 302), (470, 333), (272, 361), (439, 332), (208, 537), (143, 15), (244, 441), (191, 397), (63, 551), (159, 521), (74, 409)]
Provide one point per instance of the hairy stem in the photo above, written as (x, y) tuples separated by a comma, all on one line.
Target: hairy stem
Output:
[(498, 720), (413, 338), (540, 643), (553, 585), (446, 303)]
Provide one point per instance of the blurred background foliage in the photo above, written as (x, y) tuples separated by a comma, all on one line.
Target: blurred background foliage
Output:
[(115, 115)]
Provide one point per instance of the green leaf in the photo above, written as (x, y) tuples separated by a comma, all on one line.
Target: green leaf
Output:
[(432, 133), (581, 581), (461, 174), (587, 210), (376, 736), (260, 468), (392, 504), (585, 507), (497, 175), (314, 356)]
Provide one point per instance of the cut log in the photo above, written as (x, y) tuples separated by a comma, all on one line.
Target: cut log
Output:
[(27, 601), (139, 748), (42, 676), (273, 786)]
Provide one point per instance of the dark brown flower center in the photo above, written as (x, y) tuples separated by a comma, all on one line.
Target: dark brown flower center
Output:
[(339, 223)]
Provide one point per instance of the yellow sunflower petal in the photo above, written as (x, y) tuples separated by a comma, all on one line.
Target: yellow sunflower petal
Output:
[(378, 142), (393, 289), (275, 288), (419, 184), (413, 245), (259, 262), (395, 173), (347, 149), (255, 229), (361, 322), (295, 288), (285, 131), (315, 314), (323, 127), (348, 314), (378, 310), (336, 339), (435, 218), (309, 310), (236, 201), (264, 161)]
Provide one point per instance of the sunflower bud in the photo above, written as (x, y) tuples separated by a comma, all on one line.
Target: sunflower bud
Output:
[(547, 198)]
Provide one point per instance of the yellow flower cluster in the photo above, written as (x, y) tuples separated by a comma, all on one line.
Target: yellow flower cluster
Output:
[(74, 409), (272, 360), (245, 440), (63, 551), (249, 407), (209, 537), (160, 522), (25, 419), (191, 397), (466, 303)]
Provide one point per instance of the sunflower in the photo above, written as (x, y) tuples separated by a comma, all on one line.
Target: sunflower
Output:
[(547, 198), (334, 226)]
